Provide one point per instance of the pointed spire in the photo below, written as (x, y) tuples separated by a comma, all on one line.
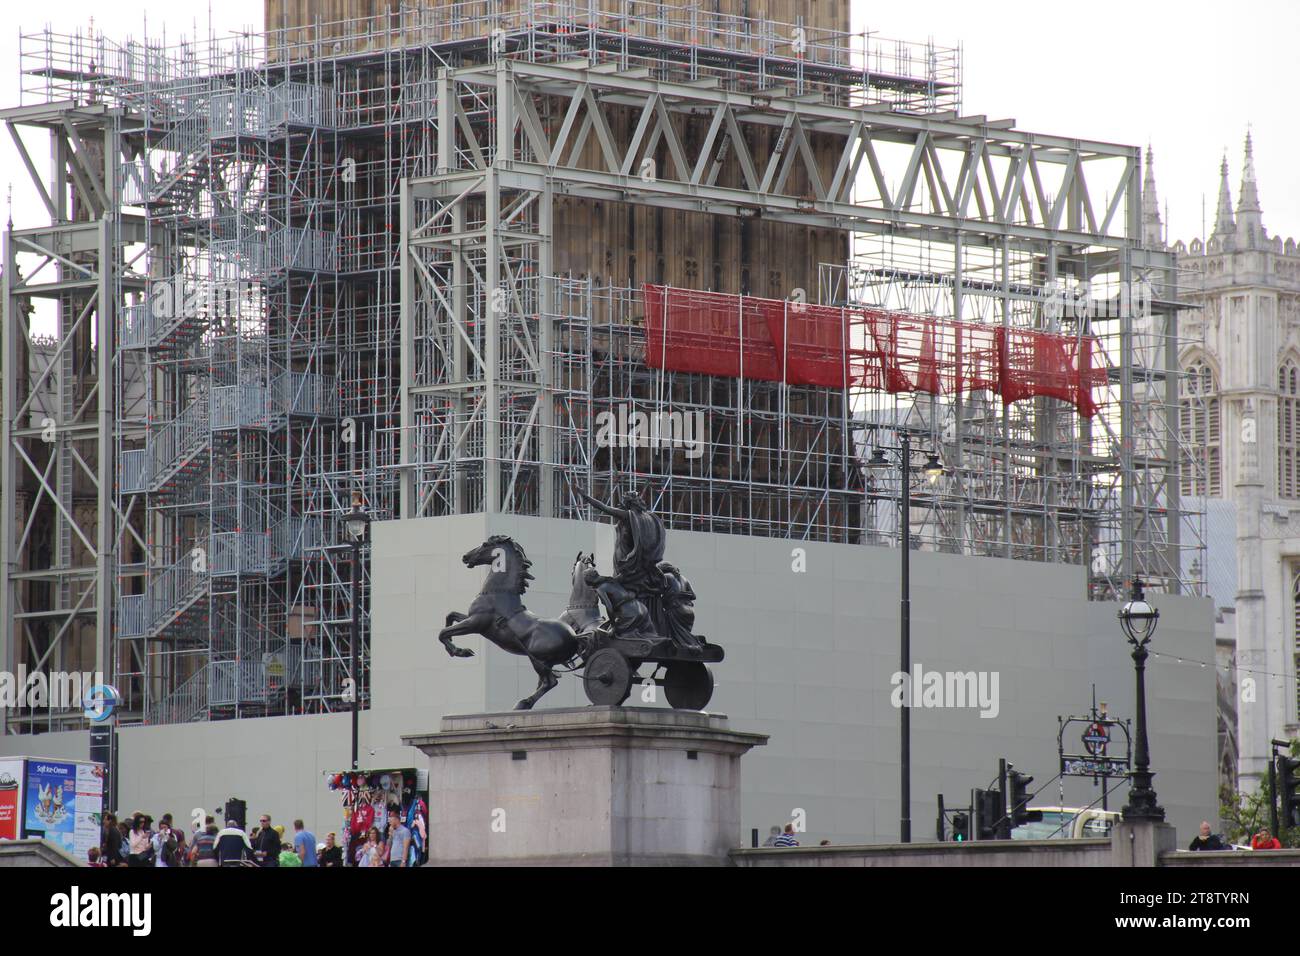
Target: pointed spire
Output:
[(1152, 233), (1250, 226), (1224, 224)]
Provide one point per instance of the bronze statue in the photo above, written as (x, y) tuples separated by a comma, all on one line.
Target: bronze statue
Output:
[(640, 569), (640, 544), (583, 611), (644, 613), (678, 603), (500, 616), (626, 615)]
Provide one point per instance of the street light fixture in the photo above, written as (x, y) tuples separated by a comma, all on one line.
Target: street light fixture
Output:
[(1138, 619), (357, 524), (356, 528), (933, 470)]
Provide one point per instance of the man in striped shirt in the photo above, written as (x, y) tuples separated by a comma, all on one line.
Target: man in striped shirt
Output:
[(786, 838), (204, 851)]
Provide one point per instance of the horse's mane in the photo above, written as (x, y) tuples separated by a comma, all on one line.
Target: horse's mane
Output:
[(524, 563), (580, 588)]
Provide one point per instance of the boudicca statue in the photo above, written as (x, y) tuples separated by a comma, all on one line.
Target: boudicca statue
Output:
[(642, 614)]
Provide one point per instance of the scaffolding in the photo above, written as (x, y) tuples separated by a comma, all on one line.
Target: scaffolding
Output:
[(331, 258)]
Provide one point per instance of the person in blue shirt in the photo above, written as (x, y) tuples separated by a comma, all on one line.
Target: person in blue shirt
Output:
[(399, 839), (304, 843)]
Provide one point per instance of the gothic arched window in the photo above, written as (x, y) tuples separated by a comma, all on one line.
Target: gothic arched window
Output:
[(1288, 430), (1198, 407)]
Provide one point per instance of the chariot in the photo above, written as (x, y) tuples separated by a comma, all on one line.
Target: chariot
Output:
[(642, 616), (610, 663)]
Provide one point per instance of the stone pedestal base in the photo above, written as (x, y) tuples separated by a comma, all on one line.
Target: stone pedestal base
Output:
[(1140, 842), (584, 786)]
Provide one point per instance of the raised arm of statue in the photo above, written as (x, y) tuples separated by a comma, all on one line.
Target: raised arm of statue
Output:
[(616, 513)]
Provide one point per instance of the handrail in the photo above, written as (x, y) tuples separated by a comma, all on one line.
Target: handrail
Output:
[(179, 438), (184, 703)]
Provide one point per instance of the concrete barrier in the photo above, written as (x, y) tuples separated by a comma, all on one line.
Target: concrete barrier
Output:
[(1232, 858), (1038, 853), (1009, 853), (34, 853)]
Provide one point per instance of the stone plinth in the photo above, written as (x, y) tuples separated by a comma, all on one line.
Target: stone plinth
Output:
[(1141, 842), (584, 786)]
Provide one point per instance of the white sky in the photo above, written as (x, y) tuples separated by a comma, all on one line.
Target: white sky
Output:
[(1186, 77)]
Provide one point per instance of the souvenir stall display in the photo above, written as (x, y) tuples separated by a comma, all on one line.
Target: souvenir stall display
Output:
[(368, 795)]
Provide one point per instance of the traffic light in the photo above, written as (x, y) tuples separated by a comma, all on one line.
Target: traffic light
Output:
[(1018, 799), (1288, 789), (988, 813), (960, 828)]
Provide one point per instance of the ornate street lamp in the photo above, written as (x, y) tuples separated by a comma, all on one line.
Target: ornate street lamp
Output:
[(1138, 619), (356, 529), (933, 470)]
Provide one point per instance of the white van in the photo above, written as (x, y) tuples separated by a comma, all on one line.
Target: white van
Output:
[(1067, 823)]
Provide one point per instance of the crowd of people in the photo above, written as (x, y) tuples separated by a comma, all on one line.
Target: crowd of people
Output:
[(138, 842)]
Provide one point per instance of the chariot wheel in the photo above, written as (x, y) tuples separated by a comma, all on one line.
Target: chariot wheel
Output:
[(607, 678), (688, 685)]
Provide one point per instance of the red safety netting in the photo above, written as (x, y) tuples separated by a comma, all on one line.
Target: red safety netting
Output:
[(1058, 366), (690, 331), (777, 340)]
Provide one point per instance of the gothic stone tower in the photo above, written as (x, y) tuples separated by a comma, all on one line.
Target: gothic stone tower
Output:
[(1241, 414)]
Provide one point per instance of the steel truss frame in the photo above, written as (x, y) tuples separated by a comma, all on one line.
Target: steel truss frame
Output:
[(1005, 211), (422, 289), (62, 526)]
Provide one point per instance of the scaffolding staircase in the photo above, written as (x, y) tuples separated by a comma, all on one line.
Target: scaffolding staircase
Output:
[(253, 684), (187, 703), (144, 328), (172, 596), (173, 447)]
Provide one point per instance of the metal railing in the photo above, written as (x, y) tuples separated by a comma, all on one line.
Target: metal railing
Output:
[(173, 589), (174, 80), (178, 440), (143, 328), (132, 615), (239, 552), (292, 536), (236, 682), (257, 112), (187, 702), (306, 393), (247, 405), (252, 680), (133, 471), (294, 247)]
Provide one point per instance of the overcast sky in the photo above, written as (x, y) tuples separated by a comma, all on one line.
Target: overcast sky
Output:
[(1186, 77)]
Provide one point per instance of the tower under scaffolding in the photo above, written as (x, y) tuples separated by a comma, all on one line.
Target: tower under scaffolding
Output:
[(416, 255)]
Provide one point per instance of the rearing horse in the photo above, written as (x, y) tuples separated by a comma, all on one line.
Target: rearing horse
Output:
[(499, 615)]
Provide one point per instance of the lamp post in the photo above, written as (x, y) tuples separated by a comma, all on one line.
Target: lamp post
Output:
[(933, 470), (356, 527), (1138, 619)]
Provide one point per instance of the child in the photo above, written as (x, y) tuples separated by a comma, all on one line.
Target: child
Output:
[(289, 856)]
